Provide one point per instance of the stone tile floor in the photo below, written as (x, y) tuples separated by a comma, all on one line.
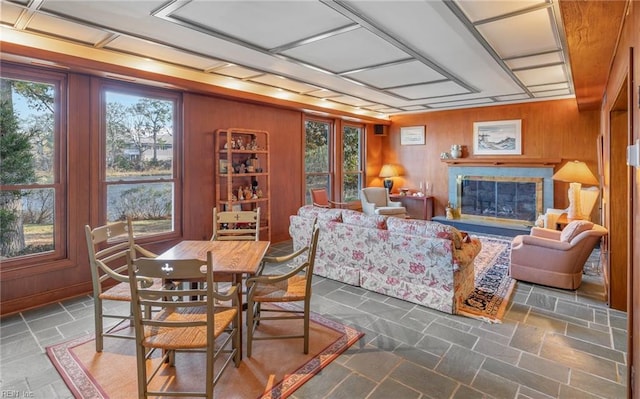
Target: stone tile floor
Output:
[(551, 344)]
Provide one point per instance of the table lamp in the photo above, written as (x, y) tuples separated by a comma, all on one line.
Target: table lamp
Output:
[(576, 173), (387, 172)]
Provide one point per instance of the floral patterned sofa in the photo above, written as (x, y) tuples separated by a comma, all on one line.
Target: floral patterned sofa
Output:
[(419, 261)]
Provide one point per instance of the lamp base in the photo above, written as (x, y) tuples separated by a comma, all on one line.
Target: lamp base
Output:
[(575, 207), (388, 184)]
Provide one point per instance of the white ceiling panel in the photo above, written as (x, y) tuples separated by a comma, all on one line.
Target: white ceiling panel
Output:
[(554, 86), (10, 13), (540, 76), (458, 104), (429, 90), (384, 56), (347, 51), (512, 97), (552, 93), (288, 84), (535, 60), (266, 24), (155, 51), (237, 71), (356, 102), (530, 33), (399, 74), (479, 10), (323, 93), (67, 29)]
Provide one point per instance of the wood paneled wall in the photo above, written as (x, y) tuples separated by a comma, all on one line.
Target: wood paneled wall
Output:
[(550, 129), (204, 114)]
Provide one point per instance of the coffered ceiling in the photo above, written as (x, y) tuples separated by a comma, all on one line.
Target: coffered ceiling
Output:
[(377, 58)]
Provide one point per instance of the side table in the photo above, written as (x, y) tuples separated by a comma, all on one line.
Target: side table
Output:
[(417, 207), (562, 221)]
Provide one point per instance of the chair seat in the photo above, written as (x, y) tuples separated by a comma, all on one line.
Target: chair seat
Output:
[(122, 291), (293, 289), (390, 210), (188, 337)]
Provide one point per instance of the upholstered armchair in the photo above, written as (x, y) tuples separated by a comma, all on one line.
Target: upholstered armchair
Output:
[(554, 258), (375, 201)]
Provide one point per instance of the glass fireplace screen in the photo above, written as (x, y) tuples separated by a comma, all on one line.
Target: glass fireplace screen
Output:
[(497, 197)]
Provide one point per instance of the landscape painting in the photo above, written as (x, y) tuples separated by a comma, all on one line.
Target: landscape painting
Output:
[(497, 138)]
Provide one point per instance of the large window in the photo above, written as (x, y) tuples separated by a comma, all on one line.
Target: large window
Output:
[(317, 159), (139, 176), (32, 179), (352, 162), (334, 163)]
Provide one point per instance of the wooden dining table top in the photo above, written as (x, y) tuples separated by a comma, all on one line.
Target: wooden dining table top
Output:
[(228, 256)]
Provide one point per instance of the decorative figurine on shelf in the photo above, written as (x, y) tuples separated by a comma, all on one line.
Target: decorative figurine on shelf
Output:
[(253, 145), (242, 168), (449, 211), (247, 193), (240, 194), (259, 193)]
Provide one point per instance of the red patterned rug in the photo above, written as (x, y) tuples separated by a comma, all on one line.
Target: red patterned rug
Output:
[(276, 369), (493, 287)]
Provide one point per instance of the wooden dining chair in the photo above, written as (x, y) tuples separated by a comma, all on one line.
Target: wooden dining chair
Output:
[(187, 321), (294, 286), (320, 198), (108, 246), (236, 225)]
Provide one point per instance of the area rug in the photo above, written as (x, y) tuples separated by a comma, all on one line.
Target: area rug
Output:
[(275, 370), (493, 286)]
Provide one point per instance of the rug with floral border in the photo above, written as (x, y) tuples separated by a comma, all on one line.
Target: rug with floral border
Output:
[(493, 286)]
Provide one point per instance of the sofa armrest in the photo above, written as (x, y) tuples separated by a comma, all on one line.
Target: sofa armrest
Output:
[(396, 204), (467, 253), (545, 242)]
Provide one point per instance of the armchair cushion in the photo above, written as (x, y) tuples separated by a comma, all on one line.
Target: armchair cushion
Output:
[(390, 210), (574, 228)]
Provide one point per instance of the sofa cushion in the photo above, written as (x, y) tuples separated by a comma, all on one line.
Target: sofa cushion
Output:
[(574, 228), (425, 228), (315, 212), (360, 219)]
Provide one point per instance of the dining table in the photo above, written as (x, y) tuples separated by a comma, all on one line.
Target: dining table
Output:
[(229, 258)]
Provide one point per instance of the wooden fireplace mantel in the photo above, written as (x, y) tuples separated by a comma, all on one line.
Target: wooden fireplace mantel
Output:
[(503, 161)]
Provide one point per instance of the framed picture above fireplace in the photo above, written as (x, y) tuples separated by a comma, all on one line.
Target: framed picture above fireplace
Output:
[(497, 138)]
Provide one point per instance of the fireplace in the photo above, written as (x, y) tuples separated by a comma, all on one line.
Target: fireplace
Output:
[(517, 199), (500, 194)]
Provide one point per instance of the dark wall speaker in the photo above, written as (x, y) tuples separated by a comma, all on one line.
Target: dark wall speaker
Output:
[(380, 130)]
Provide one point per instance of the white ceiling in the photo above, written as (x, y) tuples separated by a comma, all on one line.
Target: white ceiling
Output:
[(379, 57)]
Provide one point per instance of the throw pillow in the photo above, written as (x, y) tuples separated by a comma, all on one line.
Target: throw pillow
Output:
[(574, 228)]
